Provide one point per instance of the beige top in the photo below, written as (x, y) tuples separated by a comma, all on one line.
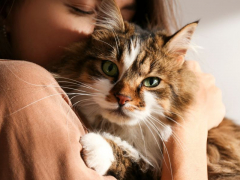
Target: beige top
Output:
[(39, 132)]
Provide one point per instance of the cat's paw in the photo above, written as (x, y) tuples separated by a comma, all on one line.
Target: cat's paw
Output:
[(97, 152)]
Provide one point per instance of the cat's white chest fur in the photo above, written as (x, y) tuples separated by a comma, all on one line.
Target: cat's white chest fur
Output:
[(142, 139)]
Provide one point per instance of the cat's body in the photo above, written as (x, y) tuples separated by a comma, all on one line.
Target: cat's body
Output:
[(223, 150), (132, 86)]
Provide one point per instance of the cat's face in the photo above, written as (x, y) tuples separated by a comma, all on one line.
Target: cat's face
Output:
[(130, 75)]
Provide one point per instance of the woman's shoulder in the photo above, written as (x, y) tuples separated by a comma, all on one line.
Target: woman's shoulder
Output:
[(4, 63), (22, 72)]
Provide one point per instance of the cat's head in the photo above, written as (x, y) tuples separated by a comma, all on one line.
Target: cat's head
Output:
[(129, 75)]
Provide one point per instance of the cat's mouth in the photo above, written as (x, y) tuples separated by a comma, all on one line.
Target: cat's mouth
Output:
[(119, 112), (123, 115)]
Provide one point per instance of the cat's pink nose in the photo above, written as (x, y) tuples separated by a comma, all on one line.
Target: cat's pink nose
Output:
[(122, 99)]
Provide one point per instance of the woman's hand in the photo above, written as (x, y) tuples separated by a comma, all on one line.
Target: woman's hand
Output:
[(208, 107)]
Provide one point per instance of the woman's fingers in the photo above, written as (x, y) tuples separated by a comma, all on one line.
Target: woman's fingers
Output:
[(208, 97), (194, 66)]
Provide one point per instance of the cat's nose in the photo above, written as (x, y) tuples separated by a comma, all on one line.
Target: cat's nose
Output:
[(122, 99)]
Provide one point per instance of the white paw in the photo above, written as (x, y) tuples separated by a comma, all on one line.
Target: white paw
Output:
[(97, 152)]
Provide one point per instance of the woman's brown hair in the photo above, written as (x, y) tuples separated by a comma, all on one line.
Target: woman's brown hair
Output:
[(6, 6), (160, 14)]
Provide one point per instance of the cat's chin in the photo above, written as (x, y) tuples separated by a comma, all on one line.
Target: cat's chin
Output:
[(119, 117), (119, 112)]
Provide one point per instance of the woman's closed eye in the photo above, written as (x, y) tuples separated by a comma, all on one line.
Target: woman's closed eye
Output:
[(81, 10)]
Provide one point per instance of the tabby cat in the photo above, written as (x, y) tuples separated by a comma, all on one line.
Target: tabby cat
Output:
[(132, 85)]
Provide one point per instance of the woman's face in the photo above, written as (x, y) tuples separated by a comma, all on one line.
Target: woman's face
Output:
[(41, 29)]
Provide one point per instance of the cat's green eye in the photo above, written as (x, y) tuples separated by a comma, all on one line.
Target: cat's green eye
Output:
[(151, 82), (109, 68)]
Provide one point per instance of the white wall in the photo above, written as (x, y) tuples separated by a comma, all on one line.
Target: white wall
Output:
[(218, 34)]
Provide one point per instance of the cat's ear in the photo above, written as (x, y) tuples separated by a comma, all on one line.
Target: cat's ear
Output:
[(109, 16), (178, 44)]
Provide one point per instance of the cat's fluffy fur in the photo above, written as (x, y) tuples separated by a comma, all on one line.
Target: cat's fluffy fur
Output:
[(135, 129)]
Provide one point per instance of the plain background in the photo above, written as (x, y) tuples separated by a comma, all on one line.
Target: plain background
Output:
[(218, 35)]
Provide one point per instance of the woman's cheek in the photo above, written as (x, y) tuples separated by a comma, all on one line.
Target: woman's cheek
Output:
[(41, 35)]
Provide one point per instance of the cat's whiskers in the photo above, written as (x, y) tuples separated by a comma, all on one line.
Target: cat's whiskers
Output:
[(82, 100), (51, 95), (158, 121), (156, 128), (169, 117), (75, 95), (69, 80), (174, 114), (76, 82), (87, 99), (144, 143), (173, 133), (180, 143), (158, 133), (75, 89), (55, 85), (84, 104), (146, 123), (89, 94), (32, 84), (101, 125), (88, 103), (78, 93), (88, 87), (149, 127), (81, 94), (84, 91), (174, 121), (175, 136)]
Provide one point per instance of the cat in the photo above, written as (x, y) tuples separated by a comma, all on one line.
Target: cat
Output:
[(132, 85)]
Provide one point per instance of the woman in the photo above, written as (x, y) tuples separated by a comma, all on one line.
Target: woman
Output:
[(39, 133)]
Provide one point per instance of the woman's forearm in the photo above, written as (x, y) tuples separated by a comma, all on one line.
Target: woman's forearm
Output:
[(188, 160)]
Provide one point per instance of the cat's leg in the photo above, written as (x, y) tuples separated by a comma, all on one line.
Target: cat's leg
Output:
[(97, 152), (109, 155)]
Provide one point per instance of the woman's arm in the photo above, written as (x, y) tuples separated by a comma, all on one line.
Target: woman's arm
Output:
[(189, 161), (39, 132)]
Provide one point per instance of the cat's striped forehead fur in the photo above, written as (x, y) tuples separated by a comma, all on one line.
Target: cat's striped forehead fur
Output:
[(138, 54)]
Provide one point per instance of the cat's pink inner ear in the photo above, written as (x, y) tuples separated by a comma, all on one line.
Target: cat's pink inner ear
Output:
[(180, 60), (109, 16), (180, 42)]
